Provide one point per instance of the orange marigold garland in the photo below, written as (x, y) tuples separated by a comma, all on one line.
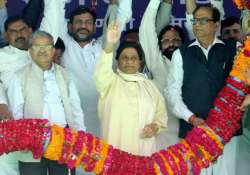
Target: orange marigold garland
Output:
[(54, 149), (203, 145), (242, 4)]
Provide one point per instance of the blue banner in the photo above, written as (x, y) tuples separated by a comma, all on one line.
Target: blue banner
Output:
[(178, 15)]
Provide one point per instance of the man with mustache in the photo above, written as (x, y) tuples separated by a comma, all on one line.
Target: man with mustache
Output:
[(170, 39), (158, 51), (197, 73), (17, 33), (54, 97), (15, 56), (82, 52), (231, 29)]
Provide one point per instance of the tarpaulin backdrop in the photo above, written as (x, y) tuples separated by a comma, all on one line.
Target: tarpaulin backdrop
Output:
[(178, 15)]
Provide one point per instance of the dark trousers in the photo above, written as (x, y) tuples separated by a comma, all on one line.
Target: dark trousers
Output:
[(42, 167)]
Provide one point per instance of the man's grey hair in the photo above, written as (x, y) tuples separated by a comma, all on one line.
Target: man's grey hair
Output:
[(39, 34)]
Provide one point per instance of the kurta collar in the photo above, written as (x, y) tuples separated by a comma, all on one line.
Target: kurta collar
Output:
[(216, 41)]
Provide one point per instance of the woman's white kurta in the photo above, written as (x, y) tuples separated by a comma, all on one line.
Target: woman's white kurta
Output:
[(126, 104)]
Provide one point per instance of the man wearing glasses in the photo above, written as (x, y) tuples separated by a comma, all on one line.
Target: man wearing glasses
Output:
[(158, 44), (83, 50), (14, 56), (197, 73), (44, 90)]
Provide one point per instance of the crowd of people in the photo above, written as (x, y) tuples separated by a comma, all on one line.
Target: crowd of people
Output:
[(141, 92)]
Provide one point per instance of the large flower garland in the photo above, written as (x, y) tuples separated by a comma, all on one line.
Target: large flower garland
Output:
[(198, 150)]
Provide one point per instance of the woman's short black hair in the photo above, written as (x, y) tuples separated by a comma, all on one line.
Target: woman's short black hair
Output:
[(130, 44)]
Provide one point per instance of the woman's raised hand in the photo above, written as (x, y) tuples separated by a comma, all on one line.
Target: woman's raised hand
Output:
[(113, 33)]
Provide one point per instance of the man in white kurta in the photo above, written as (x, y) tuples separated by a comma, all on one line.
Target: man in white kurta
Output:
[(44, 90), (158, 65), (12, 59), (80, 59)]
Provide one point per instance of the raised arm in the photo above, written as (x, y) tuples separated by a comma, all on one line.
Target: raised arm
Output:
[(219, 5), (118, 10), (149, 41), (163, 15), (51, 21), (124, 13), (110, 16), (32, 11), (104, 74), (190, 6)]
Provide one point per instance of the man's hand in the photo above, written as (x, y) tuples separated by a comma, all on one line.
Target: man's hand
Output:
[(3, 3), (4, 112), (196, 121), (114, 2), (149, 130)]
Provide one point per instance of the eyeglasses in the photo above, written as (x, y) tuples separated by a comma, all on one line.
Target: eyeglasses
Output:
[(40, 47), (201, 21)]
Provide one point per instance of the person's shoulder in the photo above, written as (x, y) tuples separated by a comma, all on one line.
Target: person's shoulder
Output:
[(59, 67), (230, 46), (230, 42), (7, 49), (186, 46), (66, 74), (23, 69)]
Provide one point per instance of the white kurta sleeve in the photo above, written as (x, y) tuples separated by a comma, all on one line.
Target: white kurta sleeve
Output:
[(15, 97), (77, 112), (110, 16), (53, 10), (3, 99), (173, 91), (149, 41), (189, 26), (103, 74), (163, 16), (124, 13), (219, 5)]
